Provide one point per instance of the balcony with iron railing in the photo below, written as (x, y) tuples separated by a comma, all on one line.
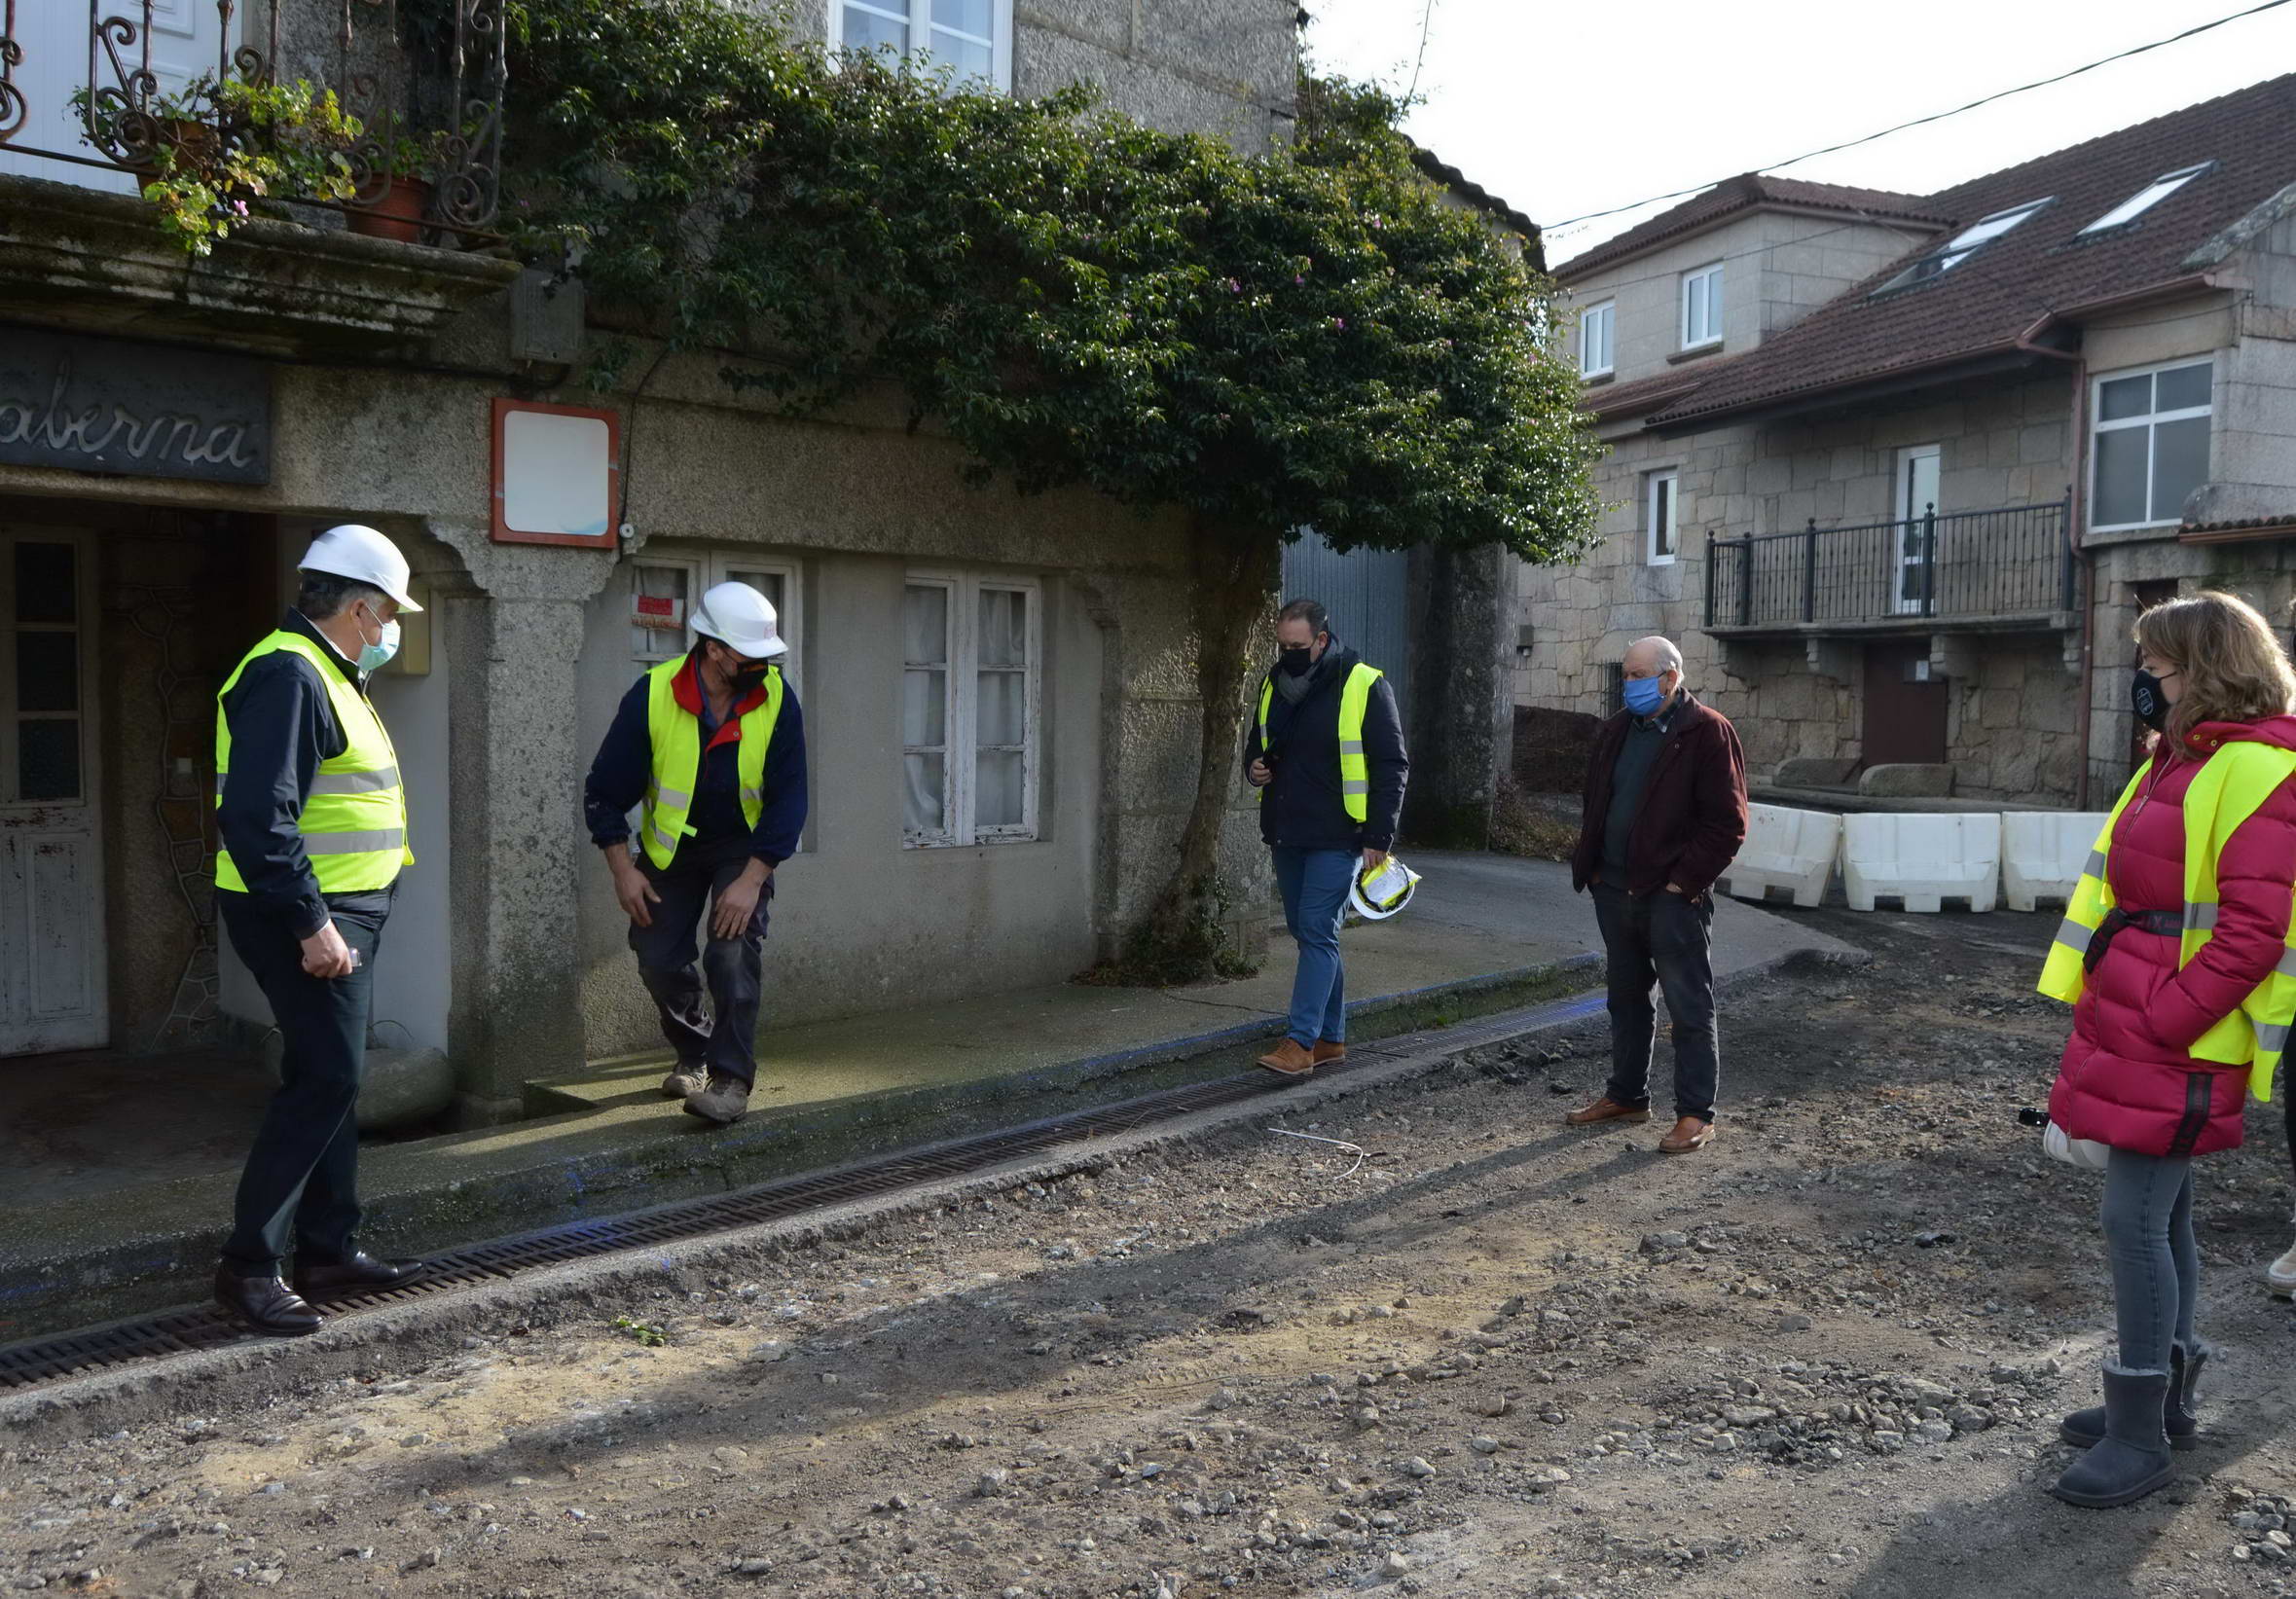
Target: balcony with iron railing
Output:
[(2007, 568), (317, 121)]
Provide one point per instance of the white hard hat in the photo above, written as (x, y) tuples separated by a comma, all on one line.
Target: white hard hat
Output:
[(1378, 893), (741, 619), (360, 553)]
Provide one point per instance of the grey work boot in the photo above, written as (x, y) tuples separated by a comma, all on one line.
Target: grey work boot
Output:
[(2133, 1457), (724, 1101), (686, 1080), (2183, 1412)]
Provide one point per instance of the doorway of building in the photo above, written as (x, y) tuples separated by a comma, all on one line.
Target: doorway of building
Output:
[(1917, 508), (51, 882), (1905, 710)]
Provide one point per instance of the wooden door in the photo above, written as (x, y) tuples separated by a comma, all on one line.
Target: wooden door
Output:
[(52, 920), (1905, 718)]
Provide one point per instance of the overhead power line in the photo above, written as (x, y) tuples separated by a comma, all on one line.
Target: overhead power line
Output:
[(1918, 121)]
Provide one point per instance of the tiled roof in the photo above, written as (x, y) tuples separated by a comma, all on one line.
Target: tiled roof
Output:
[(1481, 199), (2238, 529), (1744, 193), (2038, 270), (1644, 394)]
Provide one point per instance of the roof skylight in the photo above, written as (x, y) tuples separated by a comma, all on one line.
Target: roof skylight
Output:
[(1964, 244), (2145, 199)]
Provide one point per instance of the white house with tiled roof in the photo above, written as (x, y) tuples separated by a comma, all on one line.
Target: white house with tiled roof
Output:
[(1898, 470)]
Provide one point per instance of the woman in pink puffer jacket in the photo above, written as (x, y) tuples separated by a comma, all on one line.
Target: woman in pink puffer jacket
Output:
[(2211, 678)]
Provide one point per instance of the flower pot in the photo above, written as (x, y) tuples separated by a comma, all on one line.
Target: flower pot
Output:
[(398, 214), (195, 142)]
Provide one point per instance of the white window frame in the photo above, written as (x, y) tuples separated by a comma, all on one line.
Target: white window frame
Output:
[(919, 14), (1652, 554), (2148, 421), (1604, 317), (670, 645), (2145, 199), (703, 573), (1705, 283), (959, 755)]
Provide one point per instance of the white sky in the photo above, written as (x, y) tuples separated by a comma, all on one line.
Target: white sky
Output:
[(1567, 109)]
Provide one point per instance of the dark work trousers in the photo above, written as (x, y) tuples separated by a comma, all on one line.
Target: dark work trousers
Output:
[(1666, 939), (734, 967), (300, 1191)]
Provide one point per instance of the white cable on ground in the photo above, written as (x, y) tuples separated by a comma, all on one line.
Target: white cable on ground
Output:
[(1361, 1153)]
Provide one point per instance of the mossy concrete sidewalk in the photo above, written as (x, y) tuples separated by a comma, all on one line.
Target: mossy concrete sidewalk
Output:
[(1486, 933)]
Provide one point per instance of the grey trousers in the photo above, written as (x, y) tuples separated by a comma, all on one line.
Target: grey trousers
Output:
[(2155, 1263)]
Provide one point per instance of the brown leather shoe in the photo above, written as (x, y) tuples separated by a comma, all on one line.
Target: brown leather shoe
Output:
[(1607, 1109), (1289, 1059), (1327, 1053), (1690, 1134)]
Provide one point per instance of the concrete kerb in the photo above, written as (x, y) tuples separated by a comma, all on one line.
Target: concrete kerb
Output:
[(434, 1328), (82, 1276)]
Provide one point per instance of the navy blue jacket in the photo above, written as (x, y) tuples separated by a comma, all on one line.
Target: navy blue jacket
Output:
[(1302, 807), (282, 726), (626, 762)]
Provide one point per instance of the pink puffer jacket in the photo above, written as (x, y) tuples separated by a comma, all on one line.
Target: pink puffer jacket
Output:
[(2125, 1078)]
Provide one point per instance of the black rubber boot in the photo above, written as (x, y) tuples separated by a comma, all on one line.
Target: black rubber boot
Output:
[(2133, 1457), (2086, 1427)]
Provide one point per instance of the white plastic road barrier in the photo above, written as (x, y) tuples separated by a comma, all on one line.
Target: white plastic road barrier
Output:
[(1923, 860), (1786, 850), (2043, 854)]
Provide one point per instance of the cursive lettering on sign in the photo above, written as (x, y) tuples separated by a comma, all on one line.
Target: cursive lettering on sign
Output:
[(189, 439)]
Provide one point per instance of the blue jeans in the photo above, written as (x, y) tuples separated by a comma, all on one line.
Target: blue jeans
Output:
[(2156, 1261), (1315, 885)]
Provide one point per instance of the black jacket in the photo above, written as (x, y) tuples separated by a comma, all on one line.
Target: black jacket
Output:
[(282, 726), (1302, 807)]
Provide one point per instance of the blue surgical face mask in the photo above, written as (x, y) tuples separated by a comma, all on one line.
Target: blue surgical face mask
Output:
[(1644, 695), (376, 655)]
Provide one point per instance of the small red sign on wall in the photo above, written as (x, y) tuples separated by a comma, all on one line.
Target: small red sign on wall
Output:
[(557, 474), (664, 614)]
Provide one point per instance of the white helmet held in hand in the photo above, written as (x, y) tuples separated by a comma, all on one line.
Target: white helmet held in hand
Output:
[(361, 554), (741, 619), (1379, 893)]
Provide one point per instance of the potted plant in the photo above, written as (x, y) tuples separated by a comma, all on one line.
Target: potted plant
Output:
[(400, 210), (213, 152)]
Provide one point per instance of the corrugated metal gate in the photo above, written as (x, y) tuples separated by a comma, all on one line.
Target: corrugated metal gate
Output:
[(1365, 591)]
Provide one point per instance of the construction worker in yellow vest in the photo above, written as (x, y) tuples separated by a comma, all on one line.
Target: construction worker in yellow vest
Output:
[(313, 819), (1326, 751), (711, 749)]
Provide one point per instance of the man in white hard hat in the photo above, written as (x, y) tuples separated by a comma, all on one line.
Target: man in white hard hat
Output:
[(314, 825), (713, 745)]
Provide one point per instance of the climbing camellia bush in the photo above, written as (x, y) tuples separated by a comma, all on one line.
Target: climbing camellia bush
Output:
[(1310, 338)]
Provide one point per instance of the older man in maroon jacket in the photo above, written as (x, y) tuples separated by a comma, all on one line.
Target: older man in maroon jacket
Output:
[(1665, 815)]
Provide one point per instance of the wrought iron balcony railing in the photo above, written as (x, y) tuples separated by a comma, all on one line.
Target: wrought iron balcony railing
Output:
[(2004, 564), (437, 87)]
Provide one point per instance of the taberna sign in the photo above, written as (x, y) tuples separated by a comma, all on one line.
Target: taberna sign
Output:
[(111, 406)]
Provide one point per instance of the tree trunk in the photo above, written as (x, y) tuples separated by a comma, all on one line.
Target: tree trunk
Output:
[(1236, 570)]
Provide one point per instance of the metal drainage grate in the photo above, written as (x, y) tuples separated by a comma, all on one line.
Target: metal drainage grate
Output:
[(179, 1332)]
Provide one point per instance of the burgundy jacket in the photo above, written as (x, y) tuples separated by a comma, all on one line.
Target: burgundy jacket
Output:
[(2125, 1078), (1693, 813)]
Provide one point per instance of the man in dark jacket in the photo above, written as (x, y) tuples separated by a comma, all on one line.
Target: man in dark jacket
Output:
[(1666, 814), (1326, 751)]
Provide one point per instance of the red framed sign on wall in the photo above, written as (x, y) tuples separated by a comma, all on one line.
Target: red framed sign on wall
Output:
[(557, 475)]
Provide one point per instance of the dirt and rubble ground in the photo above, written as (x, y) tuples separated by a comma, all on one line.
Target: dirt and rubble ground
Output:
[(1492, 1357)]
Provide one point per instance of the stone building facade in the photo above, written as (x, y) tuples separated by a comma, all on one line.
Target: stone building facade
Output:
[(1867, 372), (377, 363)]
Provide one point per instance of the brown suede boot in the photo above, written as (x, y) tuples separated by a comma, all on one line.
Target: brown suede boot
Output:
[(1327, 1053), (1690, 1134), (1289, 1059)]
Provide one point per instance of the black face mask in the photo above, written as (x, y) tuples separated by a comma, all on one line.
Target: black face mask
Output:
[(747, 676), (2147, 701), (1299, 662)]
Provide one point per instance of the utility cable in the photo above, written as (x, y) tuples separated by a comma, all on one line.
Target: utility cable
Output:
[(1934, 117)]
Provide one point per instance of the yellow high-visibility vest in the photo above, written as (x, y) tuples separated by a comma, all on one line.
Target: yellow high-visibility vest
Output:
[(354, 821), (676, 736), (1355, 767), (2227, 791)]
